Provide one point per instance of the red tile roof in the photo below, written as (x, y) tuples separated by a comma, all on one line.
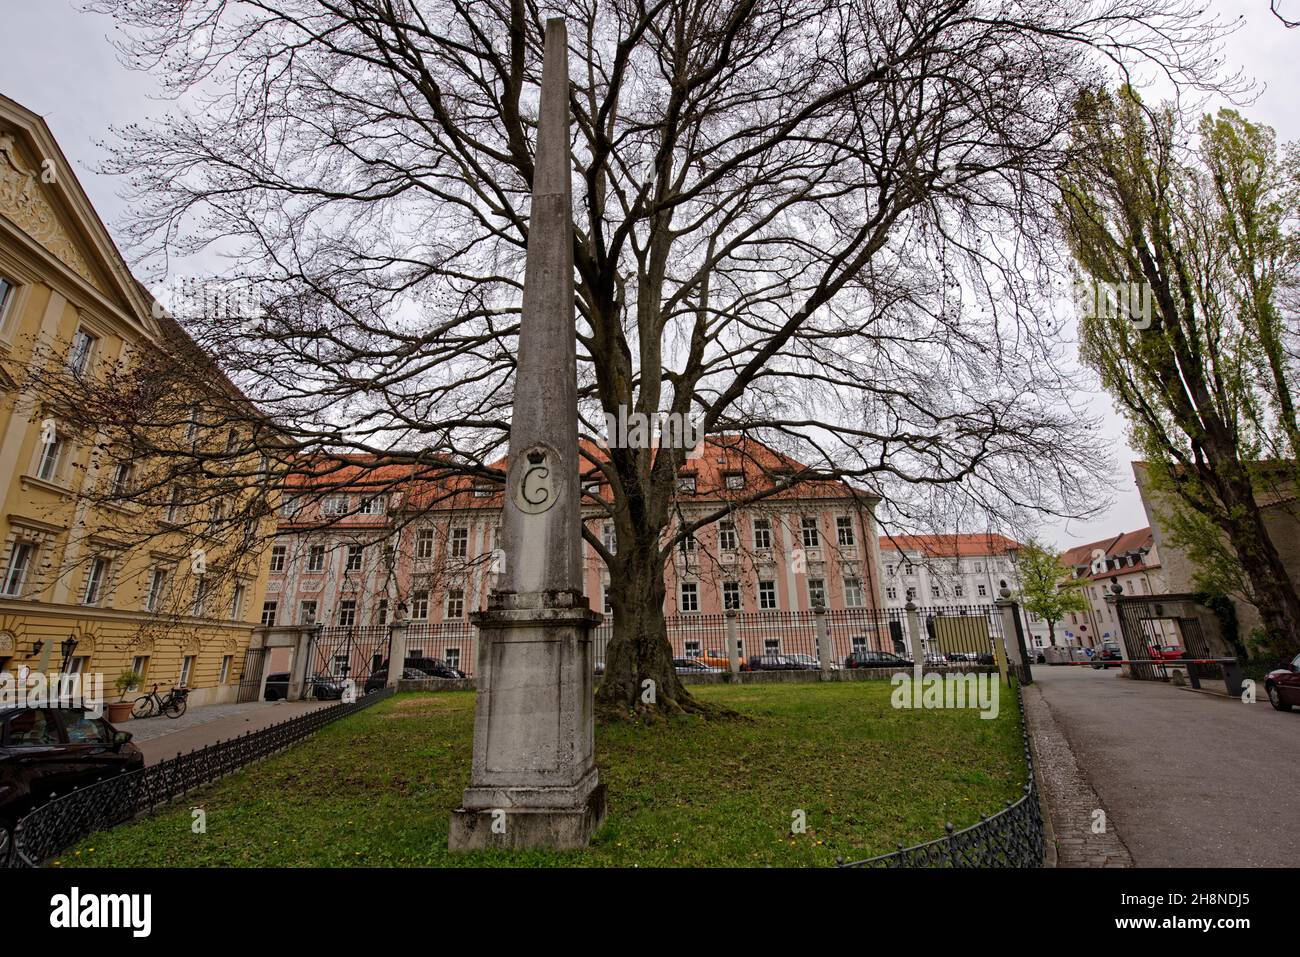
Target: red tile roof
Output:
[(951, 546)]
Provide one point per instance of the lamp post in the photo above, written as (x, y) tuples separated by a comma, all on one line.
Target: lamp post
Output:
[(68, 646)]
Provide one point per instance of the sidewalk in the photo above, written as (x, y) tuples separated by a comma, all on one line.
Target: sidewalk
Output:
[(163, 737)]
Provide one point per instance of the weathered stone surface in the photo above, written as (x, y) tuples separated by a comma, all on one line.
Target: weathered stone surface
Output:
[(534, 768)]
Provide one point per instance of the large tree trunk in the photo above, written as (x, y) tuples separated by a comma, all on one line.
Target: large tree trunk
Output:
[(640, 680), (1274, 591)]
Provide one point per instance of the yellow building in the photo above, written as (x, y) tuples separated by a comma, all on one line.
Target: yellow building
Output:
[(128, 579)]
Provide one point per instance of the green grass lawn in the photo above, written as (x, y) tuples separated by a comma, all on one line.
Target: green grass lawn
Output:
[(375, 789)]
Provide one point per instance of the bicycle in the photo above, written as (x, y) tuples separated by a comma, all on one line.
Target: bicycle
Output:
[(172, 705)]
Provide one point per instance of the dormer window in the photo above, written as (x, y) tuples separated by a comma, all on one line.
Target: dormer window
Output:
[(686, 483), (734, 480), (482, 490)]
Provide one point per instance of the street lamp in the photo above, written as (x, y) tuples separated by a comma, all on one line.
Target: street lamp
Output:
[(68, 646)]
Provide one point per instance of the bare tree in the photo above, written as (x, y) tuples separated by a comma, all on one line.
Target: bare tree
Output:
[(822, 223)]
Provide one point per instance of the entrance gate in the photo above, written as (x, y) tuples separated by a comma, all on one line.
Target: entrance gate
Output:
[(250, 680), (1158, 627)]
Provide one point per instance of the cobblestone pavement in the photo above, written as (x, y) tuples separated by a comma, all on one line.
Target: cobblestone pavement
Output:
[(1185, 779), (1071, 801)]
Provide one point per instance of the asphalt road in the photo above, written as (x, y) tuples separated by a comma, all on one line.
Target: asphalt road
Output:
[(1187, 779)]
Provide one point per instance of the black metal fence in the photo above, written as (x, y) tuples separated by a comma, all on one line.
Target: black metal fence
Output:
[(1013, 837), (62, 821)]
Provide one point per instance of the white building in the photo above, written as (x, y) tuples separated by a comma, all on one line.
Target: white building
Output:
[(1130, 559), (953, 571)]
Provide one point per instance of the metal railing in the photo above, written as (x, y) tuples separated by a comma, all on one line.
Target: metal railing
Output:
[(1013, 837), (64, 820)]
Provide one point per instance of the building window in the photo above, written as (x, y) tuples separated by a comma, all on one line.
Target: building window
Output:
[(844, 531), (459, 542), (157, 578), (121, 483), (268, 613), (891, 593), (731, 596), (278, 553), (911, 594), (83, 348), (47, 469), (766, 595), (347, 613), (139, 668), (354, 558), (174, 505), (334, 505), (381, 612), (482, 491), (811, 537), (762, 533), (224, 676), (372, 506), (859, 644), (290, 506), (983, 591), (95, 575), (307, 612), (816, 592), (771, 646), (734, 480), (690, 596), (187, 669), (853, 593), (316, 558), (688, 543), (340, 666), (934, 591), (455, 603), (727, 535), (686, 483), (7, 296), (958, 590), (420, 605), (692, 648), (16, 574), (200, 599), (424, 543), (610, 539), (909, 569), (605, 601), (237, 603), (452, 657)]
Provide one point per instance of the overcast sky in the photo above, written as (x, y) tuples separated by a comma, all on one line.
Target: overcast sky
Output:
[(64, 68)]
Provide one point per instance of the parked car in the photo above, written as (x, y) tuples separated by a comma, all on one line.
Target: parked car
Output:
[(45, 751), (1283, 686), (327, 687), (379, 679), (716, 659), (877, 659), (431, 667), (1108, 652), (693, 666), (770, 663), (811, 663), (1164, 652), (277, 686)]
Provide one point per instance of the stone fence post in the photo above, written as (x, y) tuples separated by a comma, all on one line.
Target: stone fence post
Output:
[(914, 644), (823, 640), (733, 642), (396, 651)]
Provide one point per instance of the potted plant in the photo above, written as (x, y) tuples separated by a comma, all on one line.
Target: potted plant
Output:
[(120, 710)]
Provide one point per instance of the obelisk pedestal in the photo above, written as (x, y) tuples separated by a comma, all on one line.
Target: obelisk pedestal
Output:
[(533, 783)]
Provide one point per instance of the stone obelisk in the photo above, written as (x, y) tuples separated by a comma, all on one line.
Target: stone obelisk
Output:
[(533, 782)]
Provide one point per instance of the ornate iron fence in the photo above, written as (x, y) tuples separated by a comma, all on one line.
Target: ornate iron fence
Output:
[(62, 821), (1013, 837)]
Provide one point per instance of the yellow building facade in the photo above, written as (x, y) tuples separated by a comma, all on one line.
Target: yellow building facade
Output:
[(73, 566)]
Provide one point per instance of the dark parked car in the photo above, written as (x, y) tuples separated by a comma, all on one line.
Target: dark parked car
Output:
[(379, 678), (327, 687), (1283, 686), (877, 659), (277, 686), (693, 666), (771, 663), (1108, 652), (45, 751), (428, 667)]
